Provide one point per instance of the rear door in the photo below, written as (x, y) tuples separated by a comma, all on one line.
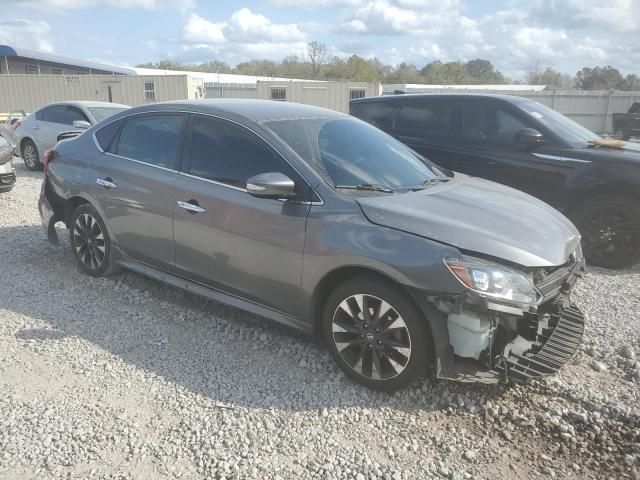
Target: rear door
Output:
[(134, 183), (48, 123), (226, 238), (432, 126)]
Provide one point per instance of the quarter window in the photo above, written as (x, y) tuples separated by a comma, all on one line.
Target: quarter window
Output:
[(106, 134), (230, 154), (279, 94), (152, 139)]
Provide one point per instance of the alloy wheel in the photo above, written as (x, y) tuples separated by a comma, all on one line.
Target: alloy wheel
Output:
[(609, 234), (30, 156), (371, 337), (88, 240)]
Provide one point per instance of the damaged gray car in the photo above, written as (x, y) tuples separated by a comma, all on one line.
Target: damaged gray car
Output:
[(326, 224)]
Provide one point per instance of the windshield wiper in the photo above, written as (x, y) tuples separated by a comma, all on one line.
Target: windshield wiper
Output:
[(432, 180), (371, 187)]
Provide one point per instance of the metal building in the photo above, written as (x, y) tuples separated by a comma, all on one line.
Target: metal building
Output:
[(21, 61), (333, 95)]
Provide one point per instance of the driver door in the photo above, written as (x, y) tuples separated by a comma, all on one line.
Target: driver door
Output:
[(224, 237)]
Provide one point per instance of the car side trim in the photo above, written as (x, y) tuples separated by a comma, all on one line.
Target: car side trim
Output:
[(183, 174), (141, 162), (211, 293)]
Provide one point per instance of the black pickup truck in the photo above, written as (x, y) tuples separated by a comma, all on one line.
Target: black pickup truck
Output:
[(627, 125)]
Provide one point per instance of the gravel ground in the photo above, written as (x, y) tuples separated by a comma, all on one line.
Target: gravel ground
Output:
[(127, 378)]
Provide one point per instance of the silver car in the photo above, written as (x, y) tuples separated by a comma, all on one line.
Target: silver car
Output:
[(39, 132), (7, 170), (323, 222)]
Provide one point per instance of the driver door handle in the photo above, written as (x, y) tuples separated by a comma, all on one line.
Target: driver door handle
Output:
[(191, 206), (106, 182)]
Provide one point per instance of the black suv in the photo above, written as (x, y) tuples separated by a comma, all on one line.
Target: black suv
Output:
[(526, 145)]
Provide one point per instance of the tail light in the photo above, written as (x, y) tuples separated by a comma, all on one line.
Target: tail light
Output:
[(16, 125), (49, 155)]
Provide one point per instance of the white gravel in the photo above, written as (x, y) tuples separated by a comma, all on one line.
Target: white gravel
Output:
[(127, 378)]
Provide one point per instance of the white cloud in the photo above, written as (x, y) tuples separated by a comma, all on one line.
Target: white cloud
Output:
[(314, 4), (29, 34), (244, 35), (76, 4)]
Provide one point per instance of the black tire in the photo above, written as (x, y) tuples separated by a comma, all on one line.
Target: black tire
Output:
[(90, 242), (395, 370), (31, 156), (610, 229)]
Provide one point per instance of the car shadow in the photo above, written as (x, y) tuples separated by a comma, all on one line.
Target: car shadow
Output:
[(213, 350)]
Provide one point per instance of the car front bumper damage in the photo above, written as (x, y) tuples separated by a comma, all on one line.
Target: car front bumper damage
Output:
[(489, 341)]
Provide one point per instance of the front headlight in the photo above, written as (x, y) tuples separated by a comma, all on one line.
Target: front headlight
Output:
[(493, 280)]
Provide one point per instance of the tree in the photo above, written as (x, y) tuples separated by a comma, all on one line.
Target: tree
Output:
[(403, 73), (599, 78), (450, 73), (317, 53), (547, 76), (632, 83)]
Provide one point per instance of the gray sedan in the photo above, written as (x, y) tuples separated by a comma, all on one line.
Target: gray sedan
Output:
[(322, 222), (39, 132)]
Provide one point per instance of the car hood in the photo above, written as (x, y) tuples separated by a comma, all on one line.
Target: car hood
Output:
[(480, 216)]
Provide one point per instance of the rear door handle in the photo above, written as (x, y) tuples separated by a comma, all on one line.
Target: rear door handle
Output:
[(191, 206), (106, 182)]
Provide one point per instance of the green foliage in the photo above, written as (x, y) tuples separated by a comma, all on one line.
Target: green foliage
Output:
[(600, 78)]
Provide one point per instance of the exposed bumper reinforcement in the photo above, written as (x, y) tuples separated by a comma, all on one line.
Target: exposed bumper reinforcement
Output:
[(557, 344)]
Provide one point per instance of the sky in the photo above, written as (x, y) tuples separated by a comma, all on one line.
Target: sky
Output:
[(515, 35)]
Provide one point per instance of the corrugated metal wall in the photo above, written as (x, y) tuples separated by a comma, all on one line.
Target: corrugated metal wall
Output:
[(30, 92), (333, 95), (592, 109), (230, 90)]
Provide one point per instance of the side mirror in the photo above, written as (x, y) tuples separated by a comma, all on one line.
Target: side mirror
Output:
[(271, 185), (81, 124), (529, 137)]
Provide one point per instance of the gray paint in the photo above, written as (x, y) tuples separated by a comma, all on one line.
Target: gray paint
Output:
[(269, 255)]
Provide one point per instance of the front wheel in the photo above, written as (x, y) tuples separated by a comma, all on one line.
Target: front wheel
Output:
[(610, 229), (90, 241), (376, 334)]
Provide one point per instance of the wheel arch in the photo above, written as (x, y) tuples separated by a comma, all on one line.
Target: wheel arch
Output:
[(25, 140), (586, 193)]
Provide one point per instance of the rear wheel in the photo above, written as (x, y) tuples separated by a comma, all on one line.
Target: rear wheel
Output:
[(376, 334), (610, 228), (90, 241), (31, 156)]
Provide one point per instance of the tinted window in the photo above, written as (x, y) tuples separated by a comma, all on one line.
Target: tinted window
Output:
[(107, 133), (72, 114), (570, 132), (231, 154), (54, 114), (422, 117), (375, 113), (492, 122), (151, 139), (348, 152)]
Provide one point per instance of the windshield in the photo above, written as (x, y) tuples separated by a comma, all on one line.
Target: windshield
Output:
[(349, 152), (574, 134), (100, 113)]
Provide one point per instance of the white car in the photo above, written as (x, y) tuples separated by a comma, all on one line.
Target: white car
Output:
[(39, 132)]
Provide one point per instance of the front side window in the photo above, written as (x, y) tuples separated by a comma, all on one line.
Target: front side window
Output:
[(571, 132), (348, 152), (72, 114), (152, 139), (230, 154)]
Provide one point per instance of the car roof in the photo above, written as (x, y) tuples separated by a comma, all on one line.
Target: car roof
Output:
[(409, 96), (88, 104), (256, 110)]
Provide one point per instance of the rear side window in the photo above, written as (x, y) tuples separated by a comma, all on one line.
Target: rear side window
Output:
[(53, 114), (153, 139), (377, 114), (106, 134), (434, 117), (230, 154)]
